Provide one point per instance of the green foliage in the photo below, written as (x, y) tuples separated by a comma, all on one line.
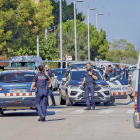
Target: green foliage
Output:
[(122, 51), (1, 70), (67, 10), (20, 23), (99, 46)]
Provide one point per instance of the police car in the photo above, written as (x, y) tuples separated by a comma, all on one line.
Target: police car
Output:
[(119, 84), (71, 89), (136, 89), (14, 90)]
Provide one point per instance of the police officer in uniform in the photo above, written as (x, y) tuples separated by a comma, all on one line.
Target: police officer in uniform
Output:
[(117, 68), (41, 95), (102, 69), (125, 69), (89, 83), (49, 83)]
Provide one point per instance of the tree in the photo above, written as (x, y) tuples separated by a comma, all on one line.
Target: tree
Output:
[(122, 51), (98, 43), (20, 22), (67, 12)]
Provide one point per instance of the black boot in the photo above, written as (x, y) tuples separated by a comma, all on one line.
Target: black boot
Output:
[(41, 118)]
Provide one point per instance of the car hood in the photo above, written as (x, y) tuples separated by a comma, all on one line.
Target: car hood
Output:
[(98, 82)]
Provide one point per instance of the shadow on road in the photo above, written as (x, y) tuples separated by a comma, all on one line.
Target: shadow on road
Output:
[(56, 119)]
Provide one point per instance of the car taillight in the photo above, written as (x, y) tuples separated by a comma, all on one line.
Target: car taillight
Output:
[(1, 89), (135, 100)]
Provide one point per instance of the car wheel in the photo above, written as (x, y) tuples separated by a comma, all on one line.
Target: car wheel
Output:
[(62, 101), (107, 103)]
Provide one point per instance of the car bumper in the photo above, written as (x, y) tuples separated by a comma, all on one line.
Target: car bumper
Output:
[(120, 97), (21, 102)]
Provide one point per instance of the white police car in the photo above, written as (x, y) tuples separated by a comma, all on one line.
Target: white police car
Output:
[(71, 89), (118, 84), (15, 90)]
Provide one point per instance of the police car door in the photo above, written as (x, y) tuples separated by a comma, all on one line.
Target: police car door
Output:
[(118, 85), (64, 84)]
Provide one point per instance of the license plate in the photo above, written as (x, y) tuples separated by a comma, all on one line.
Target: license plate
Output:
[(95, 94), (17, 90)]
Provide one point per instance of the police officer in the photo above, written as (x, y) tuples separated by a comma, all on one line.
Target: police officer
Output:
[(49, 83), (125, 69), (102, 69), (89, 83), (117, 68), (109, 72), (41, 95)]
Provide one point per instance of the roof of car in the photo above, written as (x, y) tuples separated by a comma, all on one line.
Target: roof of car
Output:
[(59, 69), (24, 71), (82, 69)]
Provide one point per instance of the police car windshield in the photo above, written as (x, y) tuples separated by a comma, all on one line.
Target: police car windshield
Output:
[(16, 77), (121, 75), (80, 66), (23, 64), (79, 75), (59, 72)]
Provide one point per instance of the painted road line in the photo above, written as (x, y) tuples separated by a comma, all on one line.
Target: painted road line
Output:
[(105, 112), (78, 112)]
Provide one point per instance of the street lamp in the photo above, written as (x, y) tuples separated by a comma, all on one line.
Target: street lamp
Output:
[(36, 1), (75, 27), (61, 57), (89, 32), (97, 19)]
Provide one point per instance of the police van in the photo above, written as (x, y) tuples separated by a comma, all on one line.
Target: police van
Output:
[(136, 90), (71, 89), (25, 61)]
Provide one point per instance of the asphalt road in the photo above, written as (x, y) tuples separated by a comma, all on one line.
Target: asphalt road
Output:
[(71, 123)]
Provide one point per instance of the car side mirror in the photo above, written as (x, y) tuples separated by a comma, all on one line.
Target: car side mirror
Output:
[(112, 79), (64, 79)]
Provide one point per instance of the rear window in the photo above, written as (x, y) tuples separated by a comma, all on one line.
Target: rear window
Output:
[(23, 64), (16, 77)]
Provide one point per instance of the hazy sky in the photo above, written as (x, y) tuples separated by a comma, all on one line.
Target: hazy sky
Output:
[(121, 19)]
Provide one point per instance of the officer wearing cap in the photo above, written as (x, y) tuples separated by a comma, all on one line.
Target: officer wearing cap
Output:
[(41, 95), (49, 83), (89, 83)]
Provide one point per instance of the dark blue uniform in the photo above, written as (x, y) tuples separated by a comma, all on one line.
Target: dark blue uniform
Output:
[(50, 74), (41, 95), (101, 70), (89, 88), (108, 74), (117, 69), (127, 72)]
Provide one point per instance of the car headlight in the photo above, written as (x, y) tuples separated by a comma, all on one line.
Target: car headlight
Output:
[(73, 87), (106, 86)]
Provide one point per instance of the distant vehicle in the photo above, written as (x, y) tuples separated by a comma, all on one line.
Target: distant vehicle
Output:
[(80, 65), (25, 61), (59, 73), (15, 90), (136, 89), (71, 89)]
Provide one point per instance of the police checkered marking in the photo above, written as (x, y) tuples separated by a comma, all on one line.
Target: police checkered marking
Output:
[(18, 94)]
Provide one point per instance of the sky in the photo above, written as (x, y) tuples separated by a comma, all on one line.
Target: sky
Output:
[(121, 19)]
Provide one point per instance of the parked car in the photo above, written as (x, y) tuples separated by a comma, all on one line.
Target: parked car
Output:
[(60, 74), (71, 89)]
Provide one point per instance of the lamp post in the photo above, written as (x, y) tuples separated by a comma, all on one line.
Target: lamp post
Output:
[(97, 19), (61, 57), (75, 27), (89, 32), (36, 1)]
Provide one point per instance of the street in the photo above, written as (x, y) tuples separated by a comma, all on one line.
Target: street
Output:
[(71, 123)]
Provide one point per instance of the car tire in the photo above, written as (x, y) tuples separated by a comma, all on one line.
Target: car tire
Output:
[(136, 122), (1, 111), (62, 101), (107, 103)]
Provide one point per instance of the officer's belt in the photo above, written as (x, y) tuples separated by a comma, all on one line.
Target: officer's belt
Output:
[(41, 87), (90, 83)]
